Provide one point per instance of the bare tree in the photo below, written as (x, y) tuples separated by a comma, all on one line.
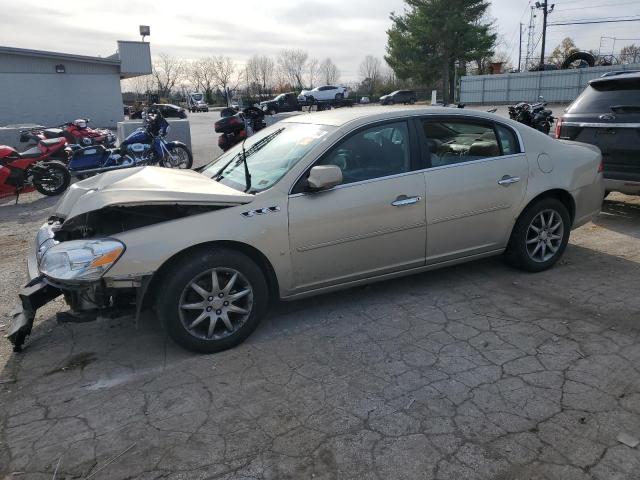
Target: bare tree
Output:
[(167, 72), (292, 64), (140, 86), (630, 54), (329, 73), (260, 72), (192, 74), (313, 71), (223, 72), (370, 70), (204, 75)]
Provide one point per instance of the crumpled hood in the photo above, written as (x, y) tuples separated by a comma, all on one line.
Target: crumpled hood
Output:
[(146, 185)]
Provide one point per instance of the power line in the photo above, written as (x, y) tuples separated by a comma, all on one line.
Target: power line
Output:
[(596, 6), (594, 21)]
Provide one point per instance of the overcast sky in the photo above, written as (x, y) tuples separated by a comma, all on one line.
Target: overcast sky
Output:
[(345, 30)]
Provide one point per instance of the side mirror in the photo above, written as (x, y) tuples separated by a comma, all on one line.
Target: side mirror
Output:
[(323, 177)]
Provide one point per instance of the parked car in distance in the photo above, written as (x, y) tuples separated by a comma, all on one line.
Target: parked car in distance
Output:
[(167, 110), (326, 92), (196, 101), (285, 102), (607, 115), (399, 96), (311, 204), (365, 100)]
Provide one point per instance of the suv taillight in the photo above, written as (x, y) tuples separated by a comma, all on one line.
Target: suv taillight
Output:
[(558, 127), (601, 166)]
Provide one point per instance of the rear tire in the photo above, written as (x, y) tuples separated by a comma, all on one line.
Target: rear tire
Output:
[(56, 179), (181, 307), (539, 236)]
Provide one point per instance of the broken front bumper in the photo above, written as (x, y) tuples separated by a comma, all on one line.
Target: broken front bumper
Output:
[(33, 296)]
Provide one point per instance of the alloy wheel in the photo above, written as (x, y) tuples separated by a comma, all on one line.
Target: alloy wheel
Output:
[(216, 304), (178, 158), (544, 236)]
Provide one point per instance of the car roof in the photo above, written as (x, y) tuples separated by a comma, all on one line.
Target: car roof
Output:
[(342, 116), (615, 77)]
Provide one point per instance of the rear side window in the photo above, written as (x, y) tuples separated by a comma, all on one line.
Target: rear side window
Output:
[(452, 142), (507, 140), (601, 96)]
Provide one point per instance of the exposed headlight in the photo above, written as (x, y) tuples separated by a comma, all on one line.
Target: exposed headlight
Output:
[(81, 259)]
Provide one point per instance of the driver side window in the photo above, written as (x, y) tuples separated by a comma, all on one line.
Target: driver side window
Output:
[(376, 152)]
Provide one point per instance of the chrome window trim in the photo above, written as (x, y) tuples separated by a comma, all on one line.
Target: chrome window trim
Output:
[(600, 125), (397, 175), (405, 118)]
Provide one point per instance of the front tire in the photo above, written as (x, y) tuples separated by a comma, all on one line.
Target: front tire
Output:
[(54, 180), (181, 158), (540, 236), (212, 300)]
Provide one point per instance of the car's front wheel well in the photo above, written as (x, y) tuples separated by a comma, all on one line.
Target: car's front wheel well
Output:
[(253, 253)]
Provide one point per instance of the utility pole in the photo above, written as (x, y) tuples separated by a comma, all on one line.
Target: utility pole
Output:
[(520, 49), (545, 12), (531, 40)]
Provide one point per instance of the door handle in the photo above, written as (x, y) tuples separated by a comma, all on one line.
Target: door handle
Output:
[(403, 200), (508, 180)]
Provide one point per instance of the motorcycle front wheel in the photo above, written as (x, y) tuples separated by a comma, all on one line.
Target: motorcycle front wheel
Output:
[(178, 157), (54, 180)]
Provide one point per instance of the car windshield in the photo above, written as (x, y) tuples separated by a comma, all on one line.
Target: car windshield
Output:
[(271, 153), (279, 97)]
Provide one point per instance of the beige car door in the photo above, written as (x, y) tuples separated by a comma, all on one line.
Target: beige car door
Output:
[(475, 187), (371, 224)]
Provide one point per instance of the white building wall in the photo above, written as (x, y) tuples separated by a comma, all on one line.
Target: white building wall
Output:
[(54, 99), (32, 92)]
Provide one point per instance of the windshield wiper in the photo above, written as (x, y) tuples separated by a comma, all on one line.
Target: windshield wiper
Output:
[(247, 175), (247, 153)]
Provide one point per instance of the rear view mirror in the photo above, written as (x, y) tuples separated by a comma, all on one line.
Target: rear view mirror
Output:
[(322, 177)]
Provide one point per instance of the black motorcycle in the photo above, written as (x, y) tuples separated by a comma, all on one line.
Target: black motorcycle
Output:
[(535, 115), (235, 126)]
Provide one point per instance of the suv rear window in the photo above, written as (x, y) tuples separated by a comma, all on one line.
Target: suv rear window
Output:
[(600, 96)]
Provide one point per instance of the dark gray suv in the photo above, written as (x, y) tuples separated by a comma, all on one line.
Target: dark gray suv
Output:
[(399, 96), (607, 115)]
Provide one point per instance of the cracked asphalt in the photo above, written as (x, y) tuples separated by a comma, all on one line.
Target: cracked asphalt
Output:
[(473, 372)]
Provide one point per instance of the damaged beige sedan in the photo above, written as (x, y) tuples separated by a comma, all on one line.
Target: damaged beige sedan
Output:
[(312, 204)]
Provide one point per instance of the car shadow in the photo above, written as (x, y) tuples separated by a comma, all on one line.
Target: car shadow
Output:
[(620, 216)]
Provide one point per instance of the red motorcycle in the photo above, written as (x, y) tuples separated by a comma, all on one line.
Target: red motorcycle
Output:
[(33, 169), (75, 133)]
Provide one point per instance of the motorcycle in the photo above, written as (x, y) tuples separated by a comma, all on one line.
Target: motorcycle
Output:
[(33, 169), (144, 146), (534, 115), (235, 126), (76, 133)]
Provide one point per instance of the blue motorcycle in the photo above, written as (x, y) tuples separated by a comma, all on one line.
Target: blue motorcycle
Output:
[(144, 146)]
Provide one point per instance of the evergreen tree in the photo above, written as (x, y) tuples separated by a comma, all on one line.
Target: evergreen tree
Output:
[(432, 35)]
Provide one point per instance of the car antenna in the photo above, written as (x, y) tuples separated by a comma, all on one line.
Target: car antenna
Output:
[(247, 175)]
